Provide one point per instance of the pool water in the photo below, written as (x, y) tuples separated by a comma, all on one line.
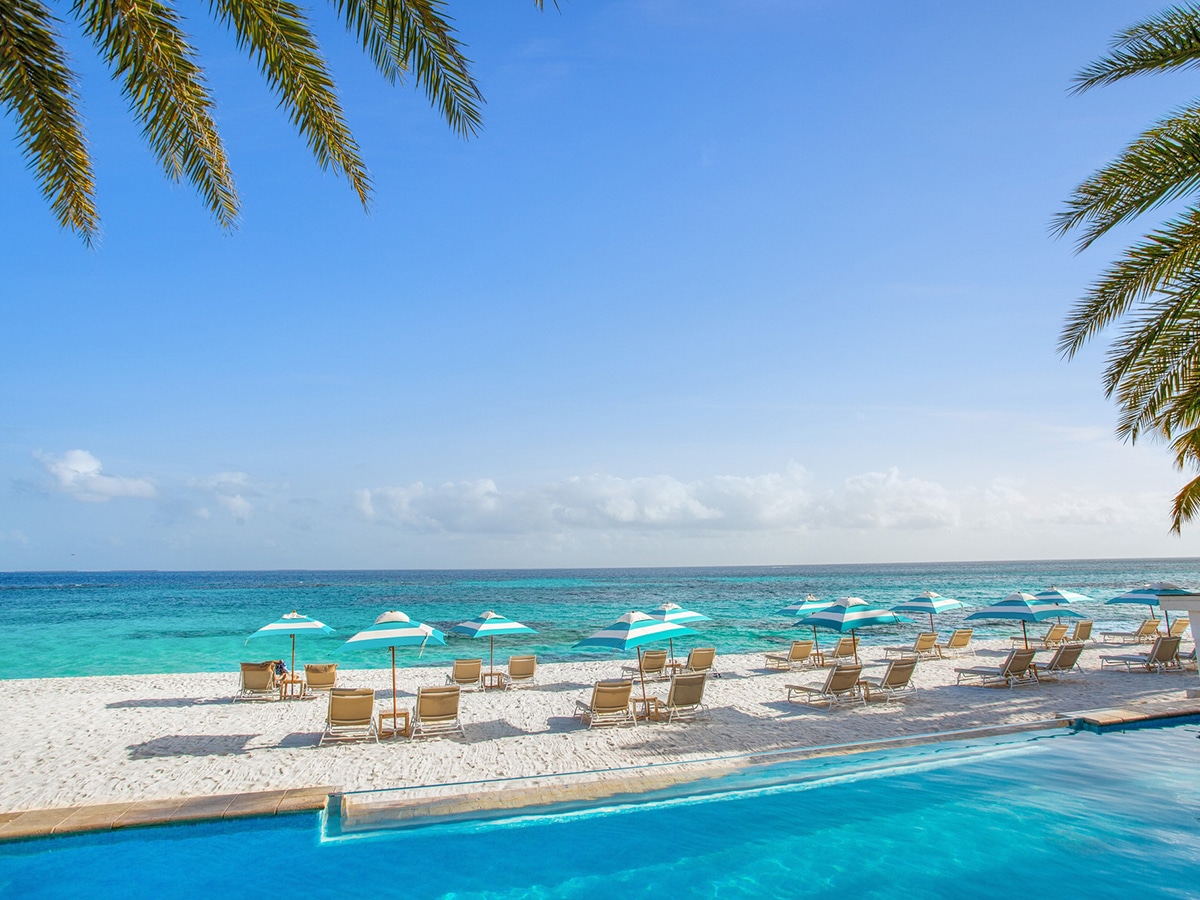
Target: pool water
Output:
[(1043, 814)]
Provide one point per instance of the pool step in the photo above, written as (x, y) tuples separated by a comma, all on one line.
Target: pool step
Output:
[(36, 823)]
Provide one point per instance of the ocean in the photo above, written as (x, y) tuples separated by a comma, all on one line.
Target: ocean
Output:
[(107, 623)]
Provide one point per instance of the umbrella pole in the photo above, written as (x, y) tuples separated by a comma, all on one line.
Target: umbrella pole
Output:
[(854, 638), (293, 671), (816, 646), (642, 676), (931, 621), (492, 654), (394, 710), (1025, 634), (671, 644)]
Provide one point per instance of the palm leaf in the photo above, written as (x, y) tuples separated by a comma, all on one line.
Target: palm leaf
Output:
[(1170, 40)]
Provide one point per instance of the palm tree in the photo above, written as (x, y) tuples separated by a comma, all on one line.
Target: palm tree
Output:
[(149, 54), (1153, 366)]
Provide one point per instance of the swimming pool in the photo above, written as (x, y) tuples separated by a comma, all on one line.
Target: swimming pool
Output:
[(1048, 813)]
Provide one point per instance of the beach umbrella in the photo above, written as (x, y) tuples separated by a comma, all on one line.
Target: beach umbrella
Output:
[(632, 631), (1059, 596), (391, 630), (676, 614), (929, 602), (850, 614), (1022, 607), (488, 625), (1150, 594), (801, 608), (291, 624)]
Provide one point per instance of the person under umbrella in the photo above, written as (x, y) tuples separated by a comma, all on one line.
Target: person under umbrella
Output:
[(928, 602), (802, 608), (390, 630), (850, 614), (632, 631), (291, 624), (489, 624), (1022, 607)]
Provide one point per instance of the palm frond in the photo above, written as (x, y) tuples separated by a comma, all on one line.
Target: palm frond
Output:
[(1168, 40), (1186, 505), (149, 54), (277, 35), (38, 87)]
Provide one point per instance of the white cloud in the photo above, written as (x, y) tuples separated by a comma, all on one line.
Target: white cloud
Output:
[(886, 500), (81, 475)]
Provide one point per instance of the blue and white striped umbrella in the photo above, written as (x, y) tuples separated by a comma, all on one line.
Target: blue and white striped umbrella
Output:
[(802, 608), (1059, 596), (291, 624), (673, 612), (631, 631), (850, 614), (1150, 594), (929, 602), (489, 624), (391, 630), (1022, 607)]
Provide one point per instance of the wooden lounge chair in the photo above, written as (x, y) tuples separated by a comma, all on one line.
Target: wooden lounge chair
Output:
[(1162, 657), (437, 711), (685, 699), (1082, 632), (926, 645), (1064, 661), (700, 659), (801, 655), (321, 677), (258, 682), (653, 666), (521, 670), (958, 644), (1145, 633), (1054, 636), (1178, 627), (466, 673), (845, 650), (609, 705), (351, 715), (896, 680), (1017, 668), (841, 686)]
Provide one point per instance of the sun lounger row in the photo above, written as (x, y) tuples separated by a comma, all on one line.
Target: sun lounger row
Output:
[(846, 684), (613, 702), (351, 714), (1056, 635), (1147, 632), (655, 666), (1163, 656)]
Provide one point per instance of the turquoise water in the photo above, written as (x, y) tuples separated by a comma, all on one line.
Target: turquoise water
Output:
[(141, 622), (1095, 815)]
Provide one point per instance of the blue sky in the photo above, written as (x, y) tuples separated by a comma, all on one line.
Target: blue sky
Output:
[(757, 282)]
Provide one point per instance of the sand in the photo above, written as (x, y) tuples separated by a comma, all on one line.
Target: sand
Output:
[(107, 739)]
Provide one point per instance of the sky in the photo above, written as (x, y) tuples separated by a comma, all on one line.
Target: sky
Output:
[(740, 282)]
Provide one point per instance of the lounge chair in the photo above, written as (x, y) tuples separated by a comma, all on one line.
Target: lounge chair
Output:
[(700, 659), (521, 670), (799, 656), (924, 646), (959, 643), (437, 711), (841, 686), (653, 666), (896, 680), (845, 650), (1145, 633), (351, 715), (466, 673), (1017, 668), (1064, 661), (1161, 657), (1178, 627), (321, 677), (1082, 632), (1054, 636), (685, 699), (609, 705), (1188, 660), (258, 682)]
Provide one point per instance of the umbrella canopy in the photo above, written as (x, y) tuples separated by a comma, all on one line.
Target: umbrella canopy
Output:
[(391, 630), (850, 614), (1150, 594), (488, 625), (802, 608), (1059, 596), (1023, 607), (632, 631), (291, 624), (673, 612), (928, 602)]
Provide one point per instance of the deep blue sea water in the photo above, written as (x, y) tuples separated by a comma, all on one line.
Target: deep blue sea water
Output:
[(93, 623), (1069, 815)]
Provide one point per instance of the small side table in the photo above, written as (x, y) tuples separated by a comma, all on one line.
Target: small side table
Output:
[(292, 687), (648, 706), (400, 715), (492, 680)]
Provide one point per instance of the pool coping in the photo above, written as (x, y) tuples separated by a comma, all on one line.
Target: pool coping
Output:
[(40, 823)]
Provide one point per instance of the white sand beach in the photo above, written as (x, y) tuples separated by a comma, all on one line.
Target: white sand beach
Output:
[(77, 741)]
